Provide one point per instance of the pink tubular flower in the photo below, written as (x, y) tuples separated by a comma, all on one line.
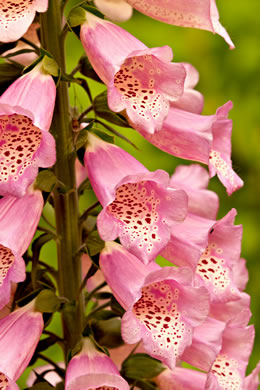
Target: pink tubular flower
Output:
[(7, 383), (16, 16), (137, 205), (14, 238), (187, 13), (206, 139), (20, 332), (92, 369), (141, 81), (181, 378), (162, 305), (25, 143), (228, 370)]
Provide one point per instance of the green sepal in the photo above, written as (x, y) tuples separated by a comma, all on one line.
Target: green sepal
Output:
[(45, 181), (82, 136), (87, 70), (116, 307), (141, 366), (104, 136), (47, 302), (93, 10), (94, 243), (50, 66), (77, 16), (4, 47), (8, 74)]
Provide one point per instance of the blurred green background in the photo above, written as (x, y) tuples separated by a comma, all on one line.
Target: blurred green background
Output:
[(224, 75)]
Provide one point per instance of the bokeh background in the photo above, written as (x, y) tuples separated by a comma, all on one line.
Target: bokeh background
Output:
[(224, 75)]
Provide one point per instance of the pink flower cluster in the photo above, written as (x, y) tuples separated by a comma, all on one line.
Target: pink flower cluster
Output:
[(195, 309)]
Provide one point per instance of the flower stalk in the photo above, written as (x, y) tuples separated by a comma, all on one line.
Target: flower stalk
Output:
[(65, 201)]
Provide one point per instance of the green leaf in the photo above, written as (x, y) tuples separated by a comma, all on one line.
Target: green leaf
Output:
[(50, 66), (104, 315), (104, 136), (103, 295), (115, 132), (45, 343), (45, 180), (141, 366), (47, 302), (102, 110), (77, 16), (84, 186), (36, 249), (94, 243)]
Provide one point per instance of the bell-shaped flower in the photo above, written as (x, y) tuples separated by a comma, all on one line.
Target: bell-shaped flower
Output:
[(25, 143), (14, 238), (181, 378), (20, 332), (17, 16), (206, 139), (141, 81), (228, 370), (162, 306), (7, 383), (215, 266), (138, 206), (115, 10), (92, 369), (186, 13)]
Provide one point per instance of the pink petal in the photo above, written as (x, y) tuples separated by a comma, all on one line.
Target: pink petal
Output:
[(191, 100), (12, 269), (221, 255), (240, 274), (92, 369), (206, 344), (227, 311), (142, 214), (191, 13), (193, 179), (26, 93), (165, 314), (252, 380), (146, 84), (19, 218), (184, 377), (23, 148), (20, 332), (106, 45), (7, 383), (117, 11)]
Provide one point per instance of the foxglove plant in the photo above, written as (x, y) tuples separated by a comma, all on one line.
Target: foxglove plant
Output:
[(126, 321)]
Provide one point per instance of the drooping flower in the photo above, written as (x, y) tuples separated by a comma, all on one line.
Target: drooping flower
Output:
[(137, 204), (221, 244), (228, 370), (25, 143), (7, 383), (20, 332), (141, 81), (187, 13), (206, 139), (92, 369), (14, 238), (162, 306), (16, 16)]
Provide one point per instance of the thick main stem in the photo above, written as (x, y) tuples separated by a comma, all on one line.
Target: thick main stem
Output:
[(65, 200)]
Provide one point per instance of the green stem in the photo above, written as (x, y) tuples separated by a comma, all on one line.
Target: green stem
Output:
[(65, 200)]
